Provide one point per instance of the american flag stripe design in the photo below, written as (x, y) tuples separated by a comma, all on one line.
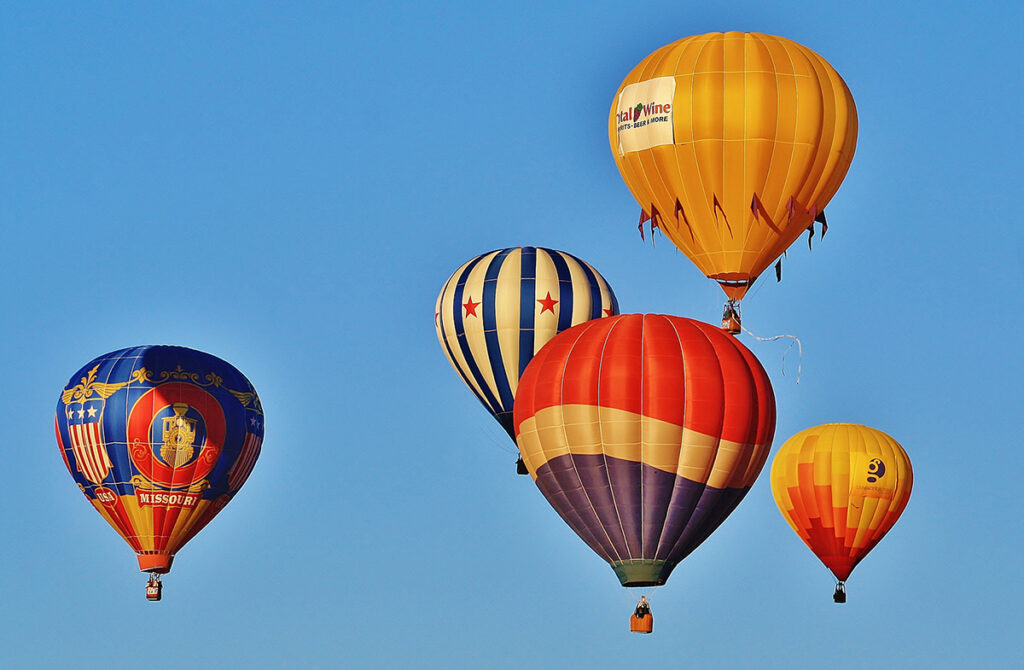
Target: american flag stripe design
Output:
[(242, 468), (90, 454)]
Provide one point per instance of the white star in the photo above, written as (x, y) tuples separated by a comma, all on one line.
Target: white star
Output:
[(81, 413), (92, 411), (252, 421)]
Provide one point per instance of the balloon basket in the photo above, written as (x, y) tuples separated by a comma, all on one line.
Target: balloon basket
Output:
[(840, 595), (641, 624), (154, 590), (731, 318)]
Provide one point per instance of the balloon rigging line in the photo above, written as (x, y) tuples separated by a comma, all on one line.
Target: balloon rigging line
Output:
[(799, 348), (485, 429)]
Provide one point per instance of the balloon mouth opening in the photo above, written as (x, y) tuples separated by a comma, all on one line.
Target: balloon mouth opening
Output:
[(159, 564), (734, 280), (735, 284), (642, 572), (642, 584)]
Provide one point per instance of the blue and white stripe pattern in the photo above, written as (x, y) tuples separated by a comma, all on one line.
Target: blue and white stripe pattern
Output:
[(497, 310)]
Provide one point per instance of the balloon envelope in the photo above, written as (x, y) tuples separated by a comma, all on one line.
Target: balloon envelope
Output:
[(159, 439), (497, 310), (734, 142), (841, 487), (644, 432)]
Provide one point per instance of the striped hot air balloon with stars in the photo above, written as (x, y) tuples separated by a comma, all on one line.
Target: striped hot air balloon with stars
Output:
[(498, 309)]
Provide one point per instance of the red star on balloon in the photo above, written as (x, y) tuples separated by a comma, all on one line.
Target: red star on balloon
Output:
[(608, 311), (470, 307), (547, 304)]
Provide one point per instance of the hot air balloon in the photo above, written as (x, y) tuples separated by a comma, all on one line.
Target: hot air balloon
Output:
[(841, 487), (159, 439), (733, 143), (644, 432), (497, 310)]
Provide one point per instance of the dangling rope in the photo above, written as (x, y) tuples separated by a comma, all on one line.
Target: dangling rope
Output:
[(799, 348)]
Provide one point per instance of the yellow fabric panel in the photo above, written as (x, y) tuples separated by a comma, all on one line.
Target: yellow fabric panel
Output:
[(809, 500), (606, 296), (864, 532), (506, 298), (752, 115), (693, 456), (474, 325), (787, 467), (445, 309), (624, 435), (142, 521), (878, 495), (184, 523), (728, 470), (621, 434), (581, 302), (543, 429), (685, 156), (145, 537), (733, 148), (545, 324), (839, 474), (577, 425)]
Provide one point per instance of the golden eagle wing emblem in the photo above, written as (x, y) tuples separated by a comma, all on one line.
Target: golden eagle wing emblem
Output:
[(88, 386), (244, 398), (104, 390)]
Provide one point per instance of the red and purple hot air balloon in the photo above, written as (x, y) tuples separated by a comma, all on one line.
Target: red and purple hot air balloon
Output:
[(644, 432)]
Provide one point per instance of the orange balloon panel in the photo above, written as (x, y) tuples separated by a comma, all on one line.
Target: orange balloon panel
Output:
[(841, 487), (735, 142)]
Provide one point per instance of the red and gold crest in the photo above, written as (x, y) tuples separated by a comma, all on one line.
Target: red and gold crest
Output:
[(175, 435)]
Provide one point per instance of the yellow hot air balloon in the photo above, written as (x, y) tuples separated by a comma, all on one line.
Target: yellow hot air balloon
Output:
[(733, 143), (841, 487)]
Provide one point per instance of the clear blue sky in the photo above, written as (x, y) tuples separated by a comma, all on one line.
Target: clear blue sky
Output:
[(287, 186)]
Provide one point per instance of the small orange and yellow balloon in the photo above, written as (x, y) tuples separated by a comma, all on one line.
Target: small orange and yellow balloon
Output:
[(841, 487)]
